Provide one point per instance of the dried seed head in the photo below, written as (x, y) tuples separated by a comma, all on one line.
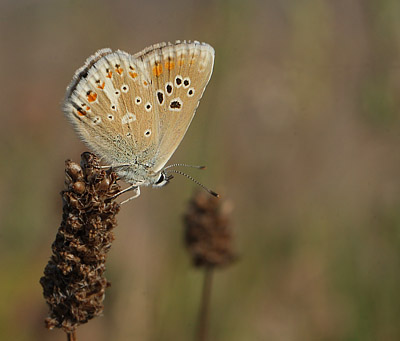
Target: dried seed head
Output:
[(207, 231), (73, 282)]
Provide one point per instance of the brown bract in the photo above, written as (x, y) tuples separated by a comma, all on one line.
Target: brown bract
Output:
[(73, 282)]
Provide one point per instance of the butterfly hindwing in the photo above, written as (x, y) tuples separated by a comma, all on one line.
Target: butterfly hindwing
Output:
[(108, 109)]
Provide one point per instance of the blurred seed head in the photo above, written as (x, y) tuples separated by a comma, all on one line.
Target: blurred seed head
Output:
[(73, 282), (208, 234)]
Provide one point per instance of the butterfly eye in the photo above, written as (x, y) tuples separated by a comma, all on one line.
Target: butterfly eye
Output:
[(162, 180)]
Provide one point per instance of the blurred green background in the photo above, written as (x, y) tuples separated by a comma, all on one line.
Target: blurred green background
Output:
[(300, 130)]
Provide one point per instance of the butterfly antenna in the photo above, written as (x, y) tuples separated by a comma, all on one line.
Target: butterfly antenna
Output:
[(196, 182), (184, 165)]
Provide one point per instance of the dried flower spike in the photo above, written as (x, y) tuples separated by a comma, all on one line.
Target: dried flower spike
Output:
[(207, 233), (73, 282)]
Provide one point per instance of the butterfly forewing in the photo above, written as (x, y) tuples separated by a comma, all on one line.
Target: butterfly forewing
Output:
[(179, 75)]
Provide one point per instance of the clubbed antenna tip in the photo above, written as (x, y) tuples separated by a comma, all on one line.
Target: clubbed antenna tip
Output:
[(214, 194)]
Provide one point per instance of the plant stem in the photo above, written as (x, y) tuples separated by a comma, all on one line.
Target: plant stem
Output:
[(204, 313), (71, 336)]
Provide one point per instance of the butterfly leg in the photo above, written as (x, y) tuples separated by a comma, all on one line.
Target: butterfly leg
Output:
[(115, 166), (130, 188), (137, 193)]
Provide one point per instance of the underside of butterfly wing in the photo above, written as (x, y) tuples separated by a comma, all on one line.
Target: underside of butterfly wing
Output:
[(135, 110)]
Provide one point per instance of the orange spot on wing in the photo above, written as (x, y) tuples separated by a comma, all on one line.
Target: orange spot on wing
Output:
[(145, 83), (169, 64), (119, 70), (109, 74), (157, 69), (133, 74), (192, 61), (87, 108), (81, 112), (181, 62), (101, 86), (91, 96)]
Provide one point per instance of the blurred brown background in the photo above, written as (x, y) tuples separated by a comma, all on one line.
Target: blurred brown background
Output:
[(299, 127)]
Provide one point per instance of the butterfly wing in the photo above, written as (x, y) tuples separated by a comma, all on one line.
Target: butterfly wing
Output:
[(179, 74), (136, 109), (110, 104)]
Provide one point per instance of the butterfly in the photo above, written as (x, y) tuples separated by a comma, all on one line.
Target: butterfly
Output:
[(134, 110)]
